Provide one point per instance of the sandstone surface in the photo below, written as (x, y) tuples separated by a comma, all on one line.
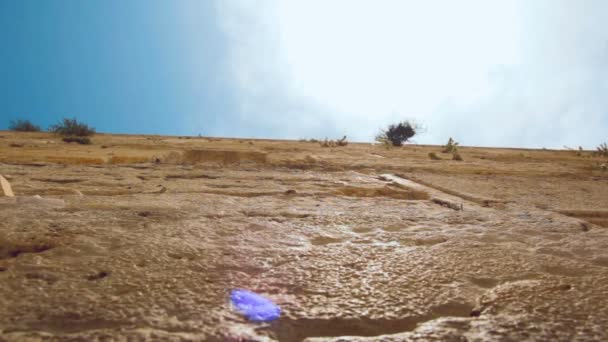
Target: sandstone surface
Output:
[(144, 237)]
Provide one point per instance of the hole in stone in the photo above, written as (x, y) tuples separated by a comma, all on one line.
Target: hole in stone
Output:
[(97, 276), (475, 313), (144, 213), (15, 251)]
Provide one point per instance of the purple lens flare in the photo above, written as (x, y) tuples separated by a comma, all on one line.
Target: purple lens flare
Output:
[(255, 307)]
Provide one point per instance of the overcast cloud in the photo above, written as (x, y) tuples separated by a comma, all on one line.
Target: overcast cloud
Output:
[(493, 73)]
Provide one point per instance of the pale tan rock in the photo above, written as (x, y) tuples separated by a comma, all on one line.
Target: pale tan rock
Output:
[(6, 187)]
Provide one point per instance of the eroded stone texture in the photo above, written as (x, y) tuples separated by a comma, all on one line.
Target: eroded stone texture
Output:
[(152, 251)]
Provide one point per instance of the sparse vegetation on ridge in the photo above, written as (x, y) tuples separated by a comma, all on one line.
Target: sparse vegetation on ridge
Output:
[(71, 127), (73, 131), (579, 152), (23, 126), (334, 143)]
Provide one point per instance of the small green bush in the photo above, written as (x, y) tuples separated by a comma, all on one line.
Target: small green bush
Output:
[(71, 127), (23, 126), (77, 139), (450, 147)]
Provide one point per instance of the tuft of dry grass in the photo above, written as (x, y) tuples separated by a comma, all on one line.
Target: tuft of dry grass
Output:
[(434, 156), (602, 150), (334, 143), (450, 147)]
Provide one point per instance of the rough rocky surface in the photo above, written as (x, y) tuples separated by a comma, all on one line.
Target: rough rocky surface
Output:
[(140, 237)]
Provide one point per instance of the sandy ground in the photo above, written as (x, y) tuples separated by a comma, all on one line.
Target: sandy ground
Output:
[(144, 237)]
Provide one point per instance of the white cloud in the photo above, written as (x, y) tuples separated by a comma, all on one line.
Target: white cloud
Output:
[(502, 73), (268, 104)]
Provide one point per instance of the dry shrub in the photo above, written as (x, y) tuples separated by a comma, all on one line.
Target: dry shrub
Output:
[(23, 126), (334, 143), (398, 134), (71, 127), (456, 156)]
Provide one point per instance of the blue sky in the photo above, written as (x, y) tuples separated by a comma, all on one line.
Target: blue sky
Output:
[(492, 73), (134, 66)]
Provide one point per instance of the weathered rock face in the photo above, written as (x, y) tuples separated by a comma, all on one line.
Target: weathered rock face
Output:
[(153, 250)]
